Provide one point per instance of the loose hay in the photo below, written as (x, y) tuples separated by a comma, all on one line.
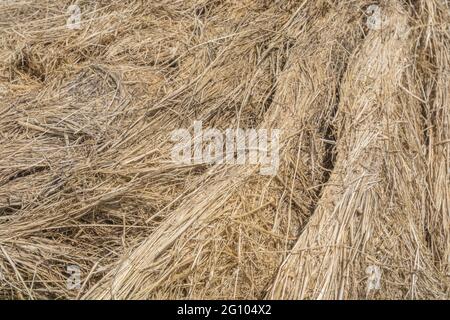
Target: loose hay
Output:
[(86, 177)]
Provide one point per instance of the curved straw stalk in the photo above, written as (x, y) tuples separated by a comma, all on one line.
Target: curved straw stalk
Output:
[(86, 176), (226, 243), (435, 79), (95, 138), (370, 214)]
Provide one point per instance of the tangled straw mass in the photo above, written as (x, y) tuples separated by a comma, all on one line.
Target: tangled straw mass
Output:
[(91, 92)]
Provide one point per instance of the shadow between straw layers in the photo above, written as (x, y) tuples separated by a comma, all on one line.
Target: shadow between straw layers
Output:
[(87, 179)]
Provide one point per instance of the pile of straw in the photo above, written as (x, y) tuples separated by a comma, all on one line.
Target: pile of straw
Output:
[(87, 178)]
